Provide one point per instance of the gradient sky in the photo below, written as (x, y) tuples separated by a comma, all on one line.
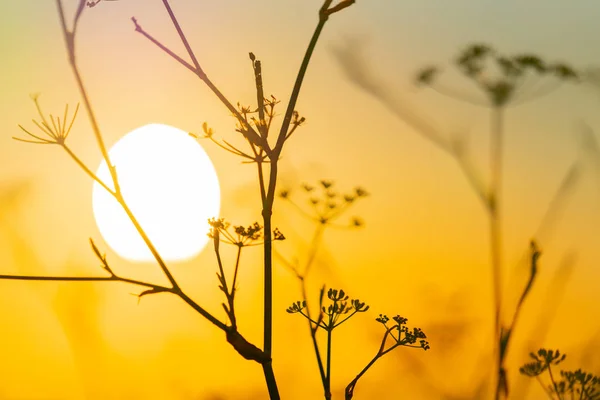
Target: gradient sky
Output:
[(423, 252)]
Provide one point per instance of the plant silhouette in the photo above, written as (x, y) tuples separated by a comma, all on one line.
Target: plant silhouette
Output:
[(501, 82), (504, 81)]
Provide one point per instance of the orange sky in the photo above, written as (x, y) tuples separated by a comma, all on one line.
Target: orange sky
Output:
[(424, 250)]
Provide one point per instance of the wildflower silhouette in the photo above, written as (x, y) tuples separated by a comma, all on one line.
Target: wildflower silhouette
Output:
[(501, 82), (254, 125), (577, 384), (331, 316), (325, 207), (399, 335)]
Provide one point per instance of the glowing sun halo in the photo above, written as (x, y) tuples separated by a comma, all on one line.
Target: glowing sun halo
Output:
[(170, 185)]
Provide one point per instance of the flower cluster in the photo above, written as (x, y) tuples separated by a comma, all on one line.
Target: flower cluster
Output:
[(404, 335), (578, 383), (474, 62), (543, 359), (325, 203), (239, 235), (340, 310), (55, 129)]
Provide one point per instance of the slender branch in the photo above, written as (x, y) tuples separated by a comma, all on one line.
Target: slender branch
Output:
[(113, 278), (345, 319), (70, 41), (268, 192), (164, 48), (287, 119), (189, 50), (147, 241), (86, 169), (506, 335), (201, 310), (251, 133), (349, 392), (232, 149)]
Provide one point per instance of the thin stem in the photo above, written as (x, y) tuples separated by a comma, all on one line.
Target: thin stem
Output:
[(548, 392), (495, 229), (232, 149), (147, 240), (267, 213), (86, 169), (301, 210), (554, 382), (312, 321), (261, 181), (80, 279), (254, 138), (260, 97), (313, 336), (314, 248), (201, 310), (223, 283), (235, 271), (287, 119), (115, 278), (268, 280), (164, 48), (220, 263), (349, 392), (252, 135), (328, 373), (345, 319), (352, 384), (183, 38), (430, 133), (70, 41)]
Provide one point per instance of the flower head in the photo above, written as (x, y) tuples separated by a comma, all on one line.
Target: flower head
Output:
[(54, 129)]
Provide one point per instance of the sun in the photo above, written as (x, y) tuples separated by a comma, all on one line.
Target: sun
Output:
[(171, 186)]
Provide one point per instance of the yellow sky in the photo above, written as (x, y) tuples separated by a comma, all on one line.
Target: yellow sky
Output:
[(423, 253)]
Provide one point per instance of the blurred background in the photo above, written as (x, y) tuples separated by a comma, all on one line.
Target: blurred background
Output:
[(423, 252)]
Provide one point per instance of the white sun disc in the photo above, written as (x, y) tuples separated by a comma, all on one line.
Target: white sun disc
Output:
[(170, 185)]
